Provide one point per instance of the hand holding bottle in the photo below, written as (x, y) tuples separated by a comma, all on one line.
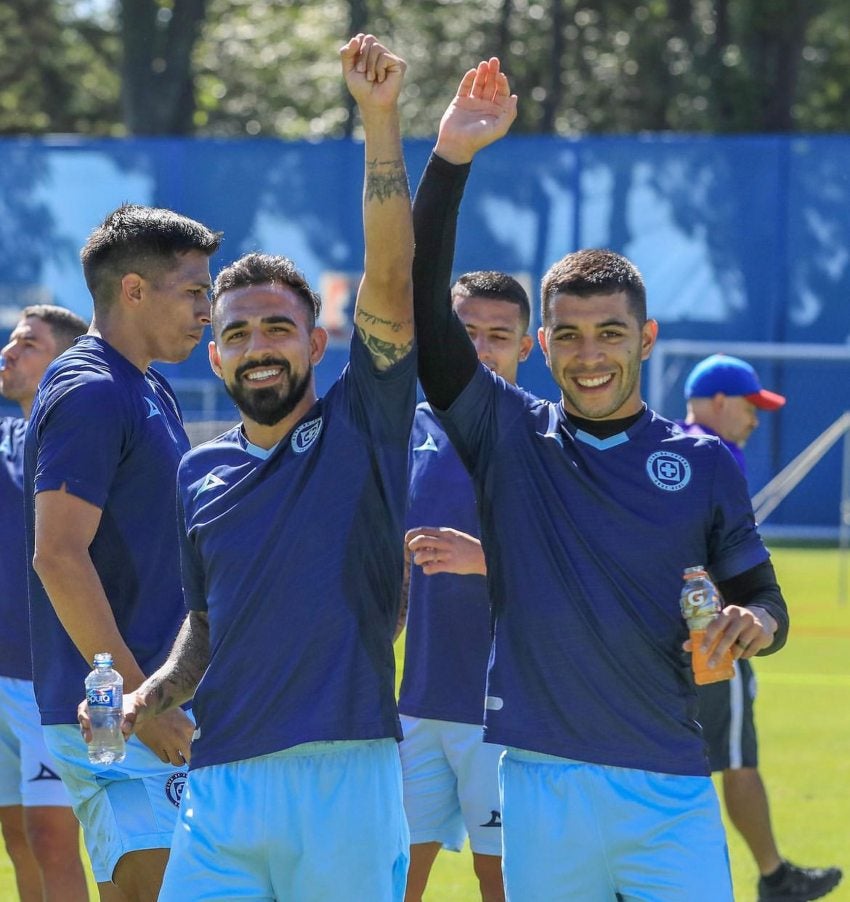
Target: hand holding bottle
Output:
[(700, 605)]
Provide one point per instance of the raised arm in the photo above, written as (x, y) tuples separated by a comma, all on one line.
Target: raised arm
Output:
[(383, 314), (480, 113)]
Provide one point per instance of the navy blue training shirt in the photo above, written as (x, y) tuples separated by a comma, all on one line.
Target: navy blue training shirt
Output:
[(295, 555), (587, 540), (447, 644), (113, 436), (15, 658)]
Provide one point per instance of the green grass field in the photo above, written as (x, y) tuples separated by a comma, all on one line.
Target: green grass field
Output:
[(804, 734)]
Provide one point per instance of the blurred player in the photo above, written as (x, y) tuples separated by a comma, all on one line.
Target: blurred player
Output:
[(292, 561), (590, 511), (42, 834), (723, 396), (451, 784), (101, 456)]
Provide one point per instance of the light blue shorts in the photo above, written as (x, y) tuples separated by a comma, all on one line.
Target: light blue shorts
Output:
[(28, 773), (123, 807), (322, 820), (451, 785), (583, 831)]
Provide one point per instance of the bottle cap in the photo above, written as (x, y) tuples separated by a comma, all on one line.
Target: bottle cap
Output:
[(103, 659)]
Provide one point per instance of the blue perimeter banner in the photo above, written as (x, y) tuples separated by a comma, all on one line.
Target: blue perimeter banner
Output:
[(738, 238)]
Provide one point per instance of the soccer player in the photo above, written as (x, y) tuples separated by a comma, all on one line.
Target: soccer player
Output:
[(292, 563), (451, 787), (723, 395), (101, 455), (40, 830), (590, 509)]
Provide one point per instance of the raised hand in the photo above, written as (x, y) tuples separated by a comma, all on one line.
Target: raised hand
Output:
[(480, 113), (372, 73)]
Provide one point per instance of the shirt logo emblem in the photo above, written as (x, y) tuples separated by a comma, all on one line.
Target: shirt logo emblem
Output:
[(495, 819), (305, 435), (174, 788), (211, 481), (153, 410), (668, 472), (428, 445)]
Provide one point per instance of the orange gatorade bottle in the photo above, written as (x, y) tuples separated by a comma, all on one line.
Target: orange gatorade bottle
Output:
[(700, 604)]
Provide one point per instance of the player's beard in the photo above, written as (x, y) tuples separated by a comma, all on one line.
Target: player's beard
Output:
[(268, 406)]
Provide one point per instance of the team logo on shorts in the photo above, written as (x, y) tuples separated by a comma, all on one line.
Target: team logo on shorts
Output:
[(670, 472), (305, 435), (174, 788)]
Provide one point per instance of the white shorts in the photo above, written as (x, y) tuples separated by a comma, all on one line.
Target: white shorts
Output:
[(574, 830), (28, 773), (451, 785), (122, 807), (322, 820)]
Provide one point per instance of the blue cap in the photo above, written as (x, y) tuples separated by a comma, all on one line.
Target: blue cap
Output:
[(721, 374)]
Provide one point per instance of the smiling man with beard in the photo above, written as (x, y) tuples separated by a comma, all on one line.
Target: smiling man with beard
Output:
[(292, 526)]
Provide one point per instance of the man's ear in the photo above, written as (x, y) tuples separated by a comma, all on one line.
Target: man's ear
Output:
[(541, 340), (132, 288), (648, 336), (215, 359), (318, 344)]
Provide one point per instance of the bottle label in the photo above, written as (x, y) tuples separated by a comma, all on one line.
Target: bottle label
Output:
[(104, 697), (699, 606)]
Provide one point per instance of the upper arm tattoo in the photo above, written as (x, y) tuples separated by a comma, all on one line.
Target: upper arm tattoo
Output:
[(384, 353)]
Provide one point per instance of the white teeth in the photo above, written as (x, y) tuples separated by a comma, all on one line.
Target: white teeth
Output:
[(261, 374), (593, 382)]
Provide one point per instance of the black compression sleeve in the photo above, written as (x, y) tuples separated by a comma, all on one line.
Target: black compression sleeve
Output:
[(447, 358), (758, 586)]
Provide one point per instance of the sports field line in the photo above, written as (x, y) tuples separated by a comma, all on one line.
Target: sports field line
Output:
[(805, 679)]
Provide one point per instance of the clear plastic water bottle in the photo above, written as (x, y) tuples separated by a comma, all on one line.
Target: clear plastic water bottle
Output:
[(105, 693), (700, 603)]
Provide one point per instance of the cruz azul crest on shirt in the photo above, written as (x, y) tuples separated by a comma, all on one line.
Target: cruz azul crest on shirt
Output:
[(305, 435), (668, 471)]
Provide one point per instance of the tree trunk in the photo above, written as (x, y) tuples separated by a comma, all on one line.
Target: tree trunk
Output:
[(555, 90), (157, 86), (358, 17)]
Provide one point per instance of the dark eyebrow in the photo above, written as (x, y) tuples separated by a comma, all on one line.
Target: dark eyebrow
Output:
[(606, 324), (266, 320)]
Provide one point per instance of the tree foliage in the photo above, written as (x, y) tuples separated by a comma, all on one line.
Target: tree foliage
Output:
[(249, 67)]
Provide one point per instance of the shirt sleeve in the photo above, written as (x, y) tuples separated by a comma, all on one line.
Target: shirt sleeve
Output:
[(734, 544), (191, 568), (380, 402), (80, 439)]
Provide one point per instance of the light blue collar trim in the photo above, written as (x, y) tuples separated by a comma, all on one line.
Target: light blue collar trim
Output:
[(601, 444), (256, 450)]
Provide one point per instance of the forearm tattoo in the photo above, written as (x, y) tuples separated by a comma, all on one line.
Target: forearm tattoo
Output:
[(386, 179), (175, 682)]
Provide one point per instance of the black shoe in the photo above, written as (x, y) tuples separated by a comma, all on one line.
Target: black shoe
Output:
[(800, 884)]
